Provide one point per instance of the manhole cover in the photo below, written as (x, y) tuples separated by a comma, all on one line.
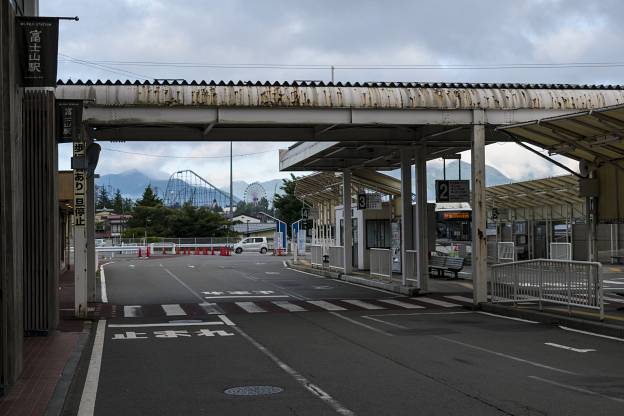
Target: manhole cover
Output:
[(253, 390)]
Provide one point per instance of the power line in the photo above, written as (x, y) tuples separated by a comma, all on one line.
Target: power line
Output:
[(98, 65), (186, 157)]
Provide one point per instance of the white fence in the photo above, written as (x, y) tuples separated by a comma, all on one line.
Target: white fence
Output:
[(316, 252), (506, 252), (336, 257), (572, 283), (561, 251), (411, 268), (381, 262)]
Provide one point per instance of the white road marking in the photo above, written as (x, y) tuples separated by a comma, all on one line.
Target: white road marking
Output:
[(424, 313), (164, 324), (271, 272), (362, 304), (131, 266), (250, 307), (613, 282), (226, 320), (260, 264), (187, 287), (511, 357), (290, 307), (173, 310), (285, 265), (103, 294), (209, 308), (362, 324), (435, 302), (508, 317), (246, 296), (326, 305), (400, 303), (89, 392), (132, 311), (565, 347), (385, 322), (565, 328), (191, 266), (577, 389), (614, 300), (308, 385), (460, 298)]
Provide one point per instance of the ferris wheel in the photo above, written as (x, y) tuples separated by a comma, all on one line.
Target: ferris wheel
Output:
[(254, 193)]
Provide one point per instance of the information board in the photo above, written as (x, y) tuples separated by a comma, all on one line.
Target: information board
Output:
[(452, 191)]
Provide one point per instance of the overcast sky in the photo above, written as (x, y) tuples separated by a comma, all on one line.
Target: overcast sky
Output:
[(323, 32)]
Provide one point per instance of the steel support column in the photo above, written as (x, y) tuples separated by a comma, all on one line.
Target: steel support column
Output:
[(91, 262), (346, 215), (479, 239), (80, 232), (422, 234), (407, 223)]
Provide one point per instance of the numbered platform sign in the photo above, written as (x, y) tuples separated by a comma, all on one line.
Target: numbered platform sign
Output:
[(452, 191)]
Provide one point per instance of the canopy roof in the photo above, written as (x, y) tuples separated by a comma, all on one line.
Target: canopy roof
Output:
[(559, 190), (591, 135)]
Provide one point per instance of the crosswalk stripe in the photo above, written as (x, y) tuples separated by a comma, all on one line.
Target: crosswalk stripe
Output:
[(401, 304), (132, 311), (210, 308), (250, 307), (460, 298), (290, 307), (173, 310), (436, 302), (326, 305), (362, 304)]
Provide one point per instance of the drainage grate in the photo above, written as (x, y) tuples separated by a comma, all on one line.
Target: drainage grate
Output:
[(253, 390)]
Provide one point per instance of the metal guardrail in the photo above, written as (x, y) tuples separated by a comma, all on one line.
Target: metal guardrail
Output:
[(571, 283), (381, 262), (316, 255), (336, 257), (411, 268)]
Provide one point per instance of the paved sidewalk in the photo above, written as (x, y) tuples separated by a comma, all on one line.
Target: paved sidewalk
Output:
[(49, 363)]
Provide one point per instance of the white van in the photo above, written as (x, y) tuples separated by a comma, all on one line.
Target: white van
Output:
[(258, 244)]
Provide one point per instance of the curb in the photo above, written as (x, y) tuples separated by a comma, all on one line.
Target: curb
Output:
[(391, 287), (555, 319)]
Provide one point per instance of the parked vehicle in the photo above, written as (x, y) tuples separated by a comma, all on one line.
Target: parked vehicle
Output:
[(252, 244)]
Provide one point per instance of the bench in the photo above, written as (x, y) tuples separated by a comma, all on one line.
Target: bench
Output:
[(442, 264)]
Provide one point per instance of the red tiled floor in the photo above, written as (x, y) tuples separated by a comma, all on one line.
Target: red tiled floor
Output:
[(44, 361)]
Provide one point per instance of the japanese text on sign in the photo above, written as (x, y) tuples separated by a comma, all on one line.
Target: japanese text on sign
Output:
[(80, 183)]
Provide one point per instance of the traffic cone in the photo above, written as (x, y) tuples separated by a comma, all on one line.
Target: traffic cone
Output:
[(213, 250), (147, 252), (178, 251)]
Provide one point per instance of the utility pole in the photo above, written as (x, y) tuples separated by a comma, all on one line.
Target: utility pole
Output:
[(231, 186)]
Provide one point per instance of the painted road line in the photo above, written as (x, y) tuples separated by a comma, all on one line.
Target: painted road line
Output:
[(425, 313), (614, 300), (460, 298), (226, 320), (290, 307), (362, 324), (385, 322), (436, 302), (362, 304), (197, 295), (131, 266), (89, 391), (173, 310), (271, 272), (341, 281), (507, 317), (167, 324), (613, 282), (305, 383), (565, 328), (565, 347), (103, 294), (400, 303), (326, 305), (250, 307), (210, 308), (132, 311), (510, 357), (577, 389), (246, 296)]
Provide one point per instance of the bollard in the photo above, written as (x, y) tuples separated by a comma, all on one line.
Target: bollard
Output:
[(140, 252), (213, 250), (147, 252), (178, 251)]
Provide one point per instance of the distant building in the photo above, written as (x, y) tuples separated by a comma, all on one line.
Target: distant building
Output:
[(110, 225), (246, 218)]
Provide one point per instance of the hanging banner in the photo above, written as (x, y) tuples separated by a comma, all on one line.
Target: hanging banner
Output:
[(68, 120), (37, 50)]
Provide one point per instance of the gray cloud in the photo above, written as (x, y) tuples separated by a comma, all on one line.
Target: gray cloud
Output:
[(327, 32)]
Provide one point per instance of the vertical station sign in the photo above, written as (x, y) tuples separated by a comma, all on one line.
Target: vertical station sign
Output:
[(68, 120), (80, 187), (80, 229), (37, 49)]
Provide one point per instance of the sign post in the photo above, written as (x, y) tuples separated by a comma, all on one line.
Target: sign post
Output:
[(80, 232)]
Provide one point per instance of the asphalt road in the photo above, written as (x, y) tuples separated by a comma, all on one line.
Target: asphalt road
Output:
[(178, 332)]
